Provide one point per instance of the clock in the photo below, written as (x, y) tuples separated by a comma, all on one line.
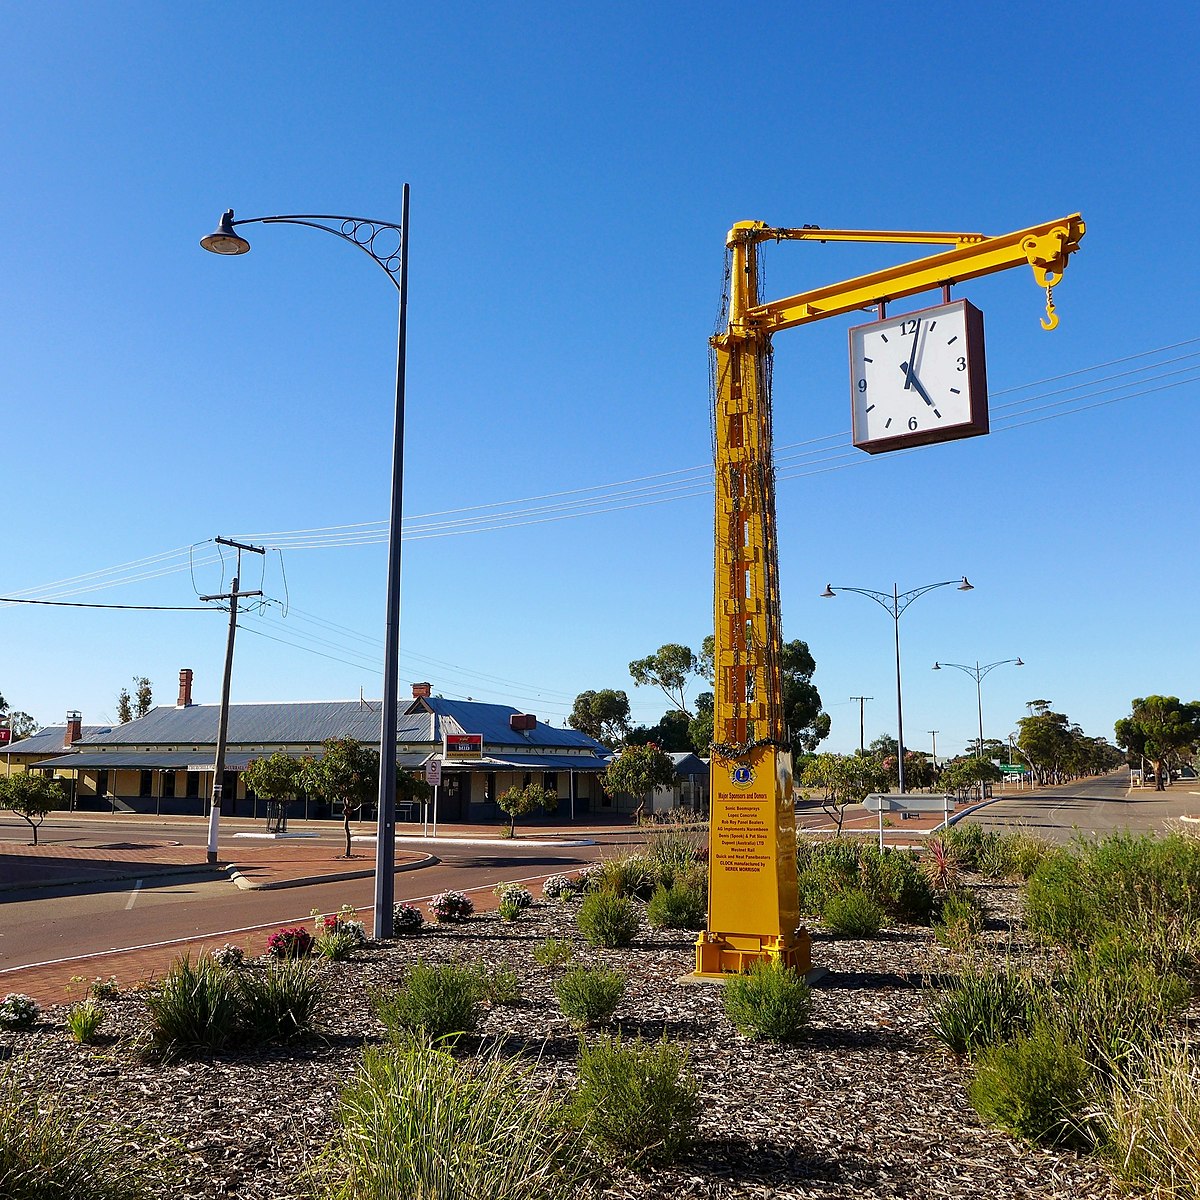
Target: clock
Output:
[(918, 378)]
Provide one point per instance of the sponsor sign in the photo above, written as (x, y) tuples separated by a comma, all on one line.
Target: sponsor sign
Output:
[(459, 746)]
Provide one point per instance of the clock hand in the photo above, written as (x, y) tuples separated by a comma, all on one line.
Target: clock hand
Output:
[(911, 378), (912, 358)]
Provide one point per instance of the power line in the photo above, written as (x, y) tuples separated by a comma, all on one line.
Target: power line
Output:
[(127, 607)]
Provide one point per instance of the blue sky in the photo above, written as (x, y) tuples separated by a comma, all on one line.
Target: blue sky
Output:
[(574, 170)]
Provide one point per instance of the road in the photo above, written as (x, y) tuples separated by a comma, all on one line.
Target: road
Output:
[(1094, 806), (47, 924)]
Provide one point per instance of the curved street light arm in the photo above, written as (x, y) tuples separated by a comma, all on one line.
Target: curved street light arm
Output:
[(362, 232)]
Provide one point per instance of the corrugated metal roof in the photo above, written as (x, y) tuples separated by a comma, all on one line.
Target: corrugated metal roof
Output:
[(304, 723), (491, 720), (126, 759), (51, 740), (533, 762)]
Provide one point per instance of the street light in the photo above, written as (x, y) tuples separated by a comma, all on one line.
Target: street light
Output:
[(387, 245), (894, 605), (977, 673)]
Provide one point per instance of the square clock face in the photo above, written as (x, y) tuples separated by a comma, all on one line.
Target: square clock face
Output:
[(918, 378)]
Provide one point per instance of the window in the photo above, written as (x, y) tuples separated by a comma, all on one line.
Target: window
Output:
[(101, 783), (169, 784), (145, 785), (193, 785), (550, 781)]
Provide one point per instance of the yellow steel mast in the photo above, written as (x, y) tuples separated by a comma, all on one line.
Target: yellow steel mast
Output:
[(753, 905)]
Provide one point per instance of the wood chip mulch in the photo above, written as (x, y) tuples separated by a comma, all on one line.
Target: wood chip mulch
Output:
[(868, 1104)]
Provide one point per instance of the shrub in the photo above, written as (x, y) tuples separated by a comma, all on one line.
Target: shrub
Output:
[(499, 986), (198, 1007), (939, 864), (553, 952), (293, 941), (1034, 1088), (18, 1011), (1056, 906), (985, 1007), (591, 877), (606, 919), (892, 878), (104, 989), (589, 995), (229, 956), (416, 1122), (678, 907), (959, 920), (280, 1004), (971, 843), (406, 919), (853, 914), (1023, 854), (84, 1020), (637, 1100), (1152, 1119), (345, 921), (560, 887), (451, 907), (510, 910), (674, 850), (47, 1155), (770, 1002), (438, 1002), (516, 895)]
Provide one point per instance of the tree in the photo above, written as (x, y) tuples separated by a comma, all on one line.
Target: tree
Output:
[(672, 733), (31, 795), (520, 801), (137, 705), (844, 779), (670, 668), (700, 731), (1161, 728), (603, 715), (348, 772), (276, 778), (21, 725), (884, 746), (1044, 740), (965, 774), (638, 770)]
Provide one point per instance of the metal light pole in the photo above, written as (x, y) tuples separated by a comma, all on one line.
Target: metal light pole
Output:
[(894, 605), (386, 244), (978, 673)]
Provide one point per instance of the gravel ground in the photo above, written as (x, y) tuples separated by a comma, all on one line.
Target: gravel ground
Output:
[(867, 1105)]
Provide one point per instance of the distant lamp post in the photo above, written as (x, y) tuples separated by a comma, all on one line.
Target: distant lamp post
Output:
[(894, 605), (386, 244), (978, 673)]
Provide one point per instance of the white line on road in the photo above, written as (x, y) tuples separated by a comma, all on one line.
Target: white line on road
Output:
[(137, 887)]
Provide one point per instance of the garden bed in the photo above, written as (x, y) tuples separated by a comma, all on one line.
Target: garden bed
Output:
[(868, 1103)]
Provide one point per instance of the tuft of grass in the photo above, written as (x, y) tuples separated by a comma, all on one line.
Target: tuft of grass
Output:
[(500, 986), (636, 1100), (959, 921), (417, 1122), (198, 1008), (1152, 1123), (437, 1002), (607, 919), (853, 914), (47, 1155), (84, 1020), (770, 1002), (589, 995), (280, 1004), (987, 1006), (336, 943)]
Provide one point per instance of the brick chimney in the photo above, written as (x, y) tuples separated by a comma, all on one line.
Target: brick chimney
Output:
[(422, 690), (74, 728), (185, 688)]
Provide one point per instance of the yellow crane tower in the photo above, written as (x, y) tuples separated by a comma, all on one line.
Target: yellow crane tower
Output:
[(753, 906)]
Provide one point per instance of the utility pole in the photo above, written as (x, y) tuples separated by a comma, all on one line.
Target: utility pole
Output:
[(862, 700), (214, 811), (933, 733)]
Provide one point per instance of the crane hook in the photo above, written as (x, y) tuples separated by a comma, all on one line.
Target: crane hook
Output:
[(1051, 320)]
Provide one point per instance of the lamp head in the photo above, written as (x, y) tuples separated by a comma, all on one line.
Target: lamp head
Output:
[(1018, 663), (965, 586), (223, 240), (937, 666), (828, 593)]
